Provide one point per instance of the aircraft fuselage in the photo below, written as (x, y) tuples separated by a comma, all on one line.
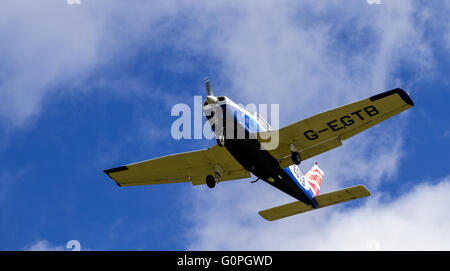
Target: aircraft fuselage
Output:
[(237, 126)]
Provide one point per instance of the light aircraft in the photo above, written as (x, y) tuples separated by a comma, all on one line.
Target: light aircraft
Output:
[(235, 158)]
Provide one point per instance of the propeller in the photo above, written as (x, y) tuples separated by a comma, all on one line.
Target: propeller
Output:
[(208, 87), (211, 99)]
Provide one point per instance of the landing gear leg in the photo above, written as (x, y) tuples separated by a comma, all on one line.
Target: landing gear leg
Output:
[(210, 181), (296, 158)]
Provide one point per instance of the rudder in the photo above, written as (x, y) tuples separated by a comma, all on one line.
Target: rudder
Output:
[(314, 176)]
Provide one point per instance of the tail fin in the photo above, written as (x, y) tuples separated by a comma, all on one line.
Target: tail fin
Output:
[(314, 177)]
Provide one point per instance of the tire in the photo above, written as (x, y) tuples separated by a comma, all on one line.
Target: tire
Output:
[(210, 181), (296, 158)]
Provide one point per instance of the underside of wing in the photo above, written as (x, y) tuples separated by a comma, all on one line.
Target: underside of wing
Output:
[(343, 195), (297, 207), (325, 131), (282, 211), (184, 167)]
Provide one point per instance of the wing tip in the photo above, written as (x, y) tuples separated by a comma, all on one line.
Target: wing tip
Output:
[(114, 170), (364, 189), (268, 218), (403, 94)]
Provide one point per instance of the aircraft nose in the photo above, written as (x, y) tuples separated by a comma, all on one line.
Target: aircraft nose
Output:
[(211, 99)]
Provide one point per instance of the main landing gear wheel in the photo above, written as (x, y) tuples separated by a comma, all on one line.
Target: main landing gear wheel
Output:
[(296, 158), (210, 181), (221, 140)]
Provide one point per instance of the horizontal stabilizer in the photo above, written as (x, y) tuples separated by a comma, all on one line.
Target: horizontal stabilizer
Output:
[(324, 200)]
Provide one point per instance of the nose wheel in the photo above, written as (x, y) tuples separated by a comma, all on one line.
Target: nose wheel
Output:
[(221, 140), (210, 181), (296, 158)]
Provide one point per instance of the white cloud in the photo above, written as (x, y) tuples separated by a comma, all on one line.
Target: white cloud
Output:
[(262, 47), (45, 45), (51, 47), (416, 220), (43, 245)]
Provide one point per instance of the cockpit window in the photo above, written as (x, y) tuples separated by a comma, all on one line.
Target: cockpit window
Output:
[(263, 122), (260, 119)]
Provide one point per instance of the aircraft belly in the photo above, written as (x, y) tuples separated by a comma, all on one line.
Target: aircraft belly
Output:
[(259, 162), (251, 156)]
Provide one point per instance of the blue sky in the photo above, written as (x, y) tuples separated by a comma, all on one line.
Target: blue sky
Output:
[(89, 87)]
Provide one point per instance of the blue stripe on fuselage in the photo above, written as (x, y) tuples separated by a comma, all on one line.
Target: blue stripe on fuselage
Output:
[(246, 121)]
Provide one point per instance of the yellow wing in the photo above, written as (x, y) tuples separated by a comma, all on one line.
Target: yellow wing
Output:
[(183, 167), (324, 131)]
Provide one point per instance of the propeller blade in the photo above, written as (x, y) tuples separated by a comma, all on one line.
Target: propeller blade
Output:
[(208, 87)]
